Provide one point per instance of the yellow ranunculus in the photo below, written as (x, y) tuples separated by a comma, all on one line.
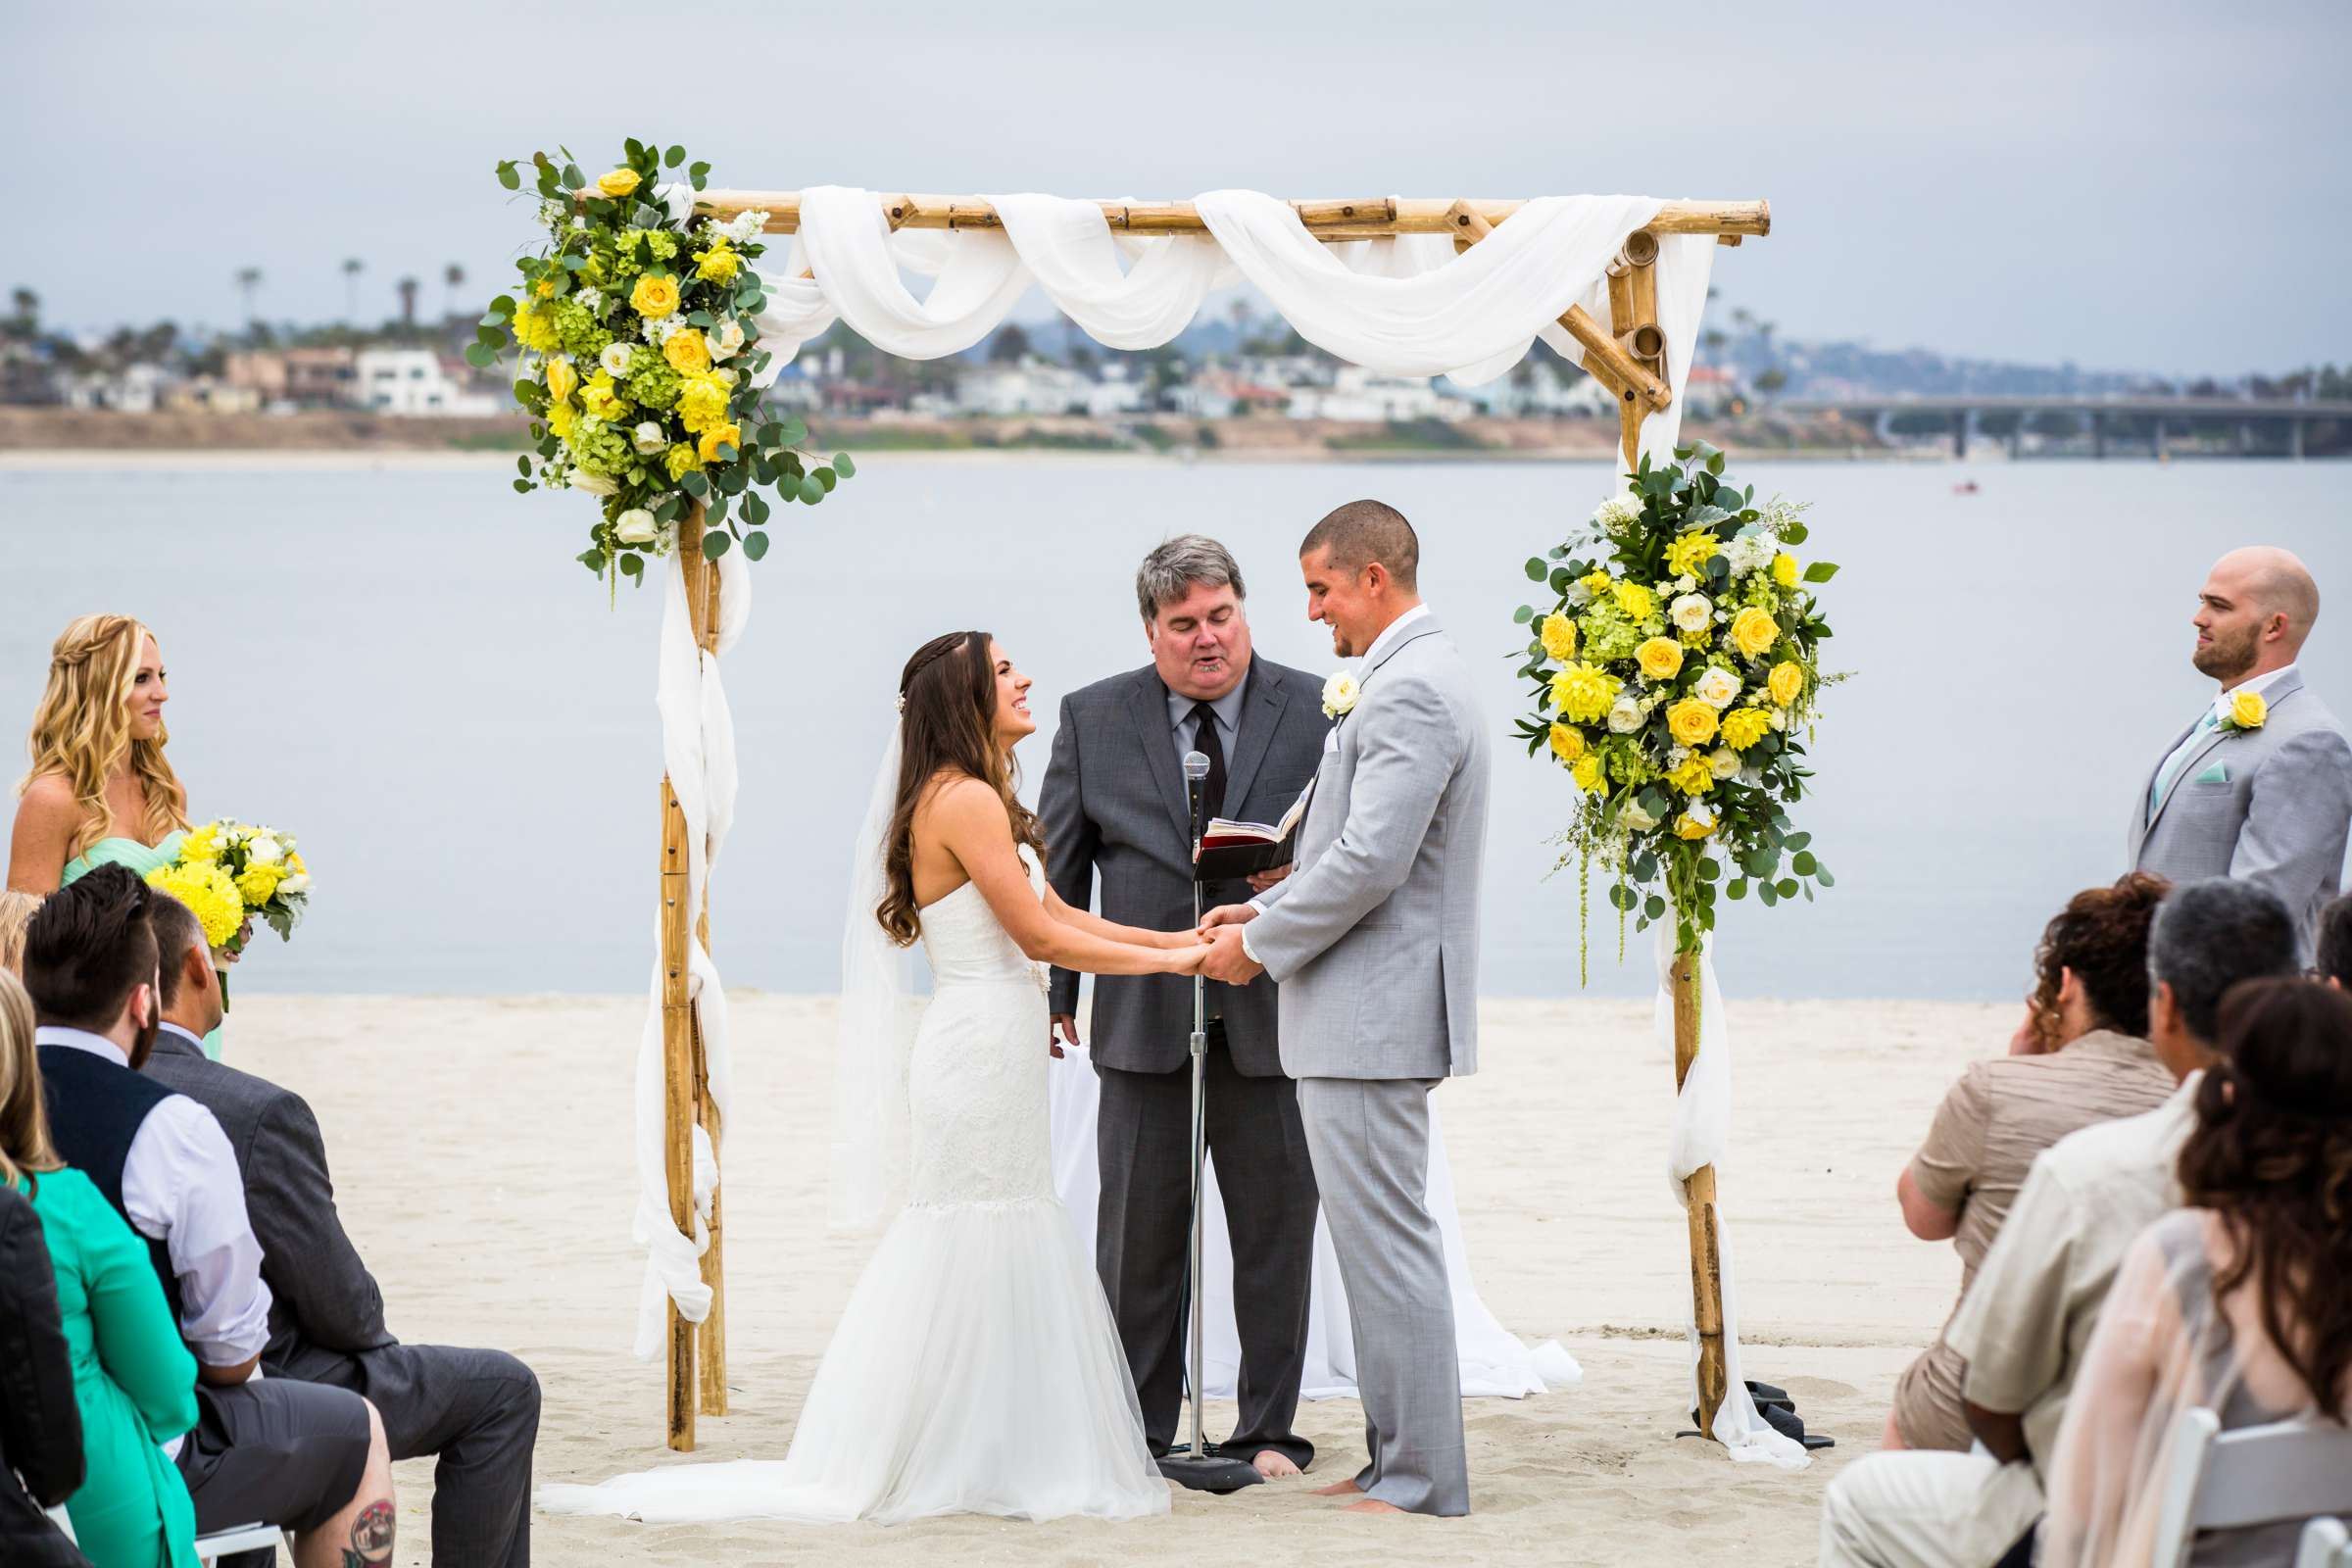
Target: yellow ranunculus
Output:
[(600, 398), (258, 882), (1784, 570), (1660, 657), (1635, 600), (1696, 775), (1787, 682), (2247, 709), (617, 183), (1588, 774), (1691, 721), (701, 403), (1691, 550), (1754, 632), (1742, 727), (719, 435), (717, 264), (559, 416), (561, 379), (688, 352), (1583, 693), (655, 297), (1558, 633), (681, 460), (1567, 742)]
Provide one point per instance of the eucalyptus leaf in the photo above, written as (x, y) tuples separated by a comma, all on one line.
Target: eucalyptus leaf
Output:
[(1523, 614), (674, 157), (509, 176), (755, 545), (716, 544), (811, 490), (1820, 571)]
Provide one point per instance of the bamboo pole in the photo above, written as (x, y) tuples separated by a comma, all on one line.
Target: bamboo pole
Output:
[(1698, 1192), (1640, 257), (710, 1361), (1329, 219), (677, 1097)]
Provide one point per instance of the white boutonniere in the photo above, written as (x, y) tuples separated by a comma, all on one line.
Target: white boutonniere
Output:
[(2247, 711), (1339, 693)]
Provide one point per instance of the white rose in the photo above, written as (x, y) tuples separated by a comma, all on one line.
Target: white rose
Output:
[(1685, 583), (726, 341), (1624, 716), (648, 439), (635, 527), (594, 484), (299, 882), (1724, 763), (262, 850), (1689, 612), (1339, 693), (1780, 718), (616, 359), (1631, 815), (1718, 688)]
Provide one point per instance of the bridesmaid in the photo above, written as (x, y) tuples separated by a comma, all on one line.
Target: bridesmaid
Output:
[(101, 791)]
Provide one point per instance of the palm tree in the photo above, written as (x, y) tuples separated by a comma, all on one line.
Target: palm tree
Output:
[(454, 276), (408, 301), (352, 268), (27, 317), (249, 282)]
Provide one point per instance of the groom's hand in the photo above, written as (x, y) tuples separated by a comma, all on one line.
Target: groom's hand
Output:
[(1227, 914), (1226, 960)]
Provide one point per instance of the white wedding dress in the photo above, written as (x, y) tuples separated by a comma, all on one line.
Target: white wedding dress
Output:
[(976, 1368)]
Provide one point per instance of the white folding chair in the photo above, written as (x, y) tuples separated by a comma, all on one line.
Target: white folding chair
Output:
[(2326, 1543), (2219, 1480), (239, 1538)]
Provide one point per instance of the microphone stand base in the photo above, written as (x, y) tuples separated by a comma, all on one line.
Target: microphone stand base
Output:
[(1208, 1472)]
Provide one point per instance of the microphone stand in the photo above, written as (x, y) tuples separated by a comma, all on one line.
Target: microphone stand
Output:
[(1200, 1468)]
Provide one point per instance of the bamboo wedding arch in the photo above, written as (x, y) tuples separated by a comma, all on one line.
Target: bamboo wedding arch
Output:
[(1628, 356)]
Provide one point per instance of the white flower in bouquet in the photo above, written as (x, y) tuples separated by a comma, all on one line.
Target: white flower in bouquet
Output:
[(553, 213), (648, 439), (594, 484), (1619, 510), (725, 376), (298, 883), (1632, 816), (1691, 611), (1718, 688), (1724, 763), (1626, 715), (743, 225), (615, 360), (727, 341), (1685, 583), (593, 300), (1579, 596), (1751, 550), (1780, 718), (635, 527), (263, 849)]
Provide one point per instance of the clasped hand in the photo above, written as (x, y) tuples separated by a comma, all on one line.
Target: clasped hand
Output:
[(1225, 958)]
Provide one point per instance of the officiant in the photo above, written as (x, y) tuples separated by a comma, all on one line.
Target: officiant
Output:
[(1114, 808)]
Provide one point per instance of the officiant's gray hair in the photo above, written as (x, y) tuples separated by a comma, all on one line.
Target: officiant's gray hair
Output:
[(1172, 569)]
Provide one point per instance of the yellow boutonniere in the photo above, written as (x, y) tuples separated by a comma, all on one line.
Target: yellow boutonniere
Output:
[(2247, 711)]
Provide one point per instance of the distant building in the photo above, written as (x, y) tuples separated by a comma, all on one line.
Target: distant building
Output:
[(134, 389), (1538, 388), (210, 394), (415, 382), (300, 378), (1032, 387), (1357, 393)]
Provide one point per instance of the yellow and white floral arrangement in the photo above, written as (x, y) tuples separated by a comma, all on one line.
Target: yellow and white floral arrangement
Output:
[(229, 872)]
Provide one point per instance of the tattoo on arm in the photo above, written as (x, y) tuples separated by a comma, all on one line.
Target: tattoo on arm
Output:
[(370, 1538)]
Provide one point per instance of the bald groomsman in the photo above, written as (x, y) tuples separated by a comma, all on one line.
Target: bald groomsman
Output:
[(2260, 786)]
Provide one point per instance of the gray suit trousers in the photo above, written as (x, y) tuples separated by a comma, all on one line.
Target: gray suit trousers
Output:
[(1370, 1141)]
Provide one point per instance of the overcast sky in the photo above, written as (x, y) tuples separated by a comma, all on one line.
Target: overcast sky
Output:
[(2144, 185)]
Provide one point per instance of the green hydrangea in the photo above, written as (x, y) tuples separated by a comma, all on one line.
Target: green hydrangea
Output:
[(601, 448), (576, 330), (662, 243), (651, 383), (1609, 633)]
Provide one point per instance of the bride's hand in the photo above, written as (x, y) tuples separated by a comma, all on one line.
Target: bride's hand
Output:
[(1187, 959)]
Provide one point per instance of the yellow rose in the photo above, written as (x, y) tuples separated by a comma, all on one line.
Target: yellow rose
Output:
[(717, 264), (1587, 771), (655, 297), (619, 183), (1742, 727), (1660, 657), (1583, 693), (1567, 742), (1635, 600), (1691, 550), (1560, 636), (1784, 570), (559, 418), (1695, 776), (681, 460), (1787, 682), (2247, 709), (1754, 632), (258, 882), (719, 435), (1691, 721), (688, 352), (561, 379)]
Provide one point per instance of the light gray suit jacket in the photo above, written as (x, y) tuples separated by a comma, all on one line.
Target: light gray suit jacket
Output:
[(2271, 805), (1374, 938)]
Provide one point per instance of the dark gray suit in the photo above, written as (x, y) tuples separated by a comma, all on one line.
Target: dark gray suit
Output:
[(1113, 805), (478, 1410)]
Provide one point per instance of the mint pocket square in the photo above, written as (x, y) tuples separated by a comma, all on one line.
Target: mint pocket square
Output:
[(2217, 774)]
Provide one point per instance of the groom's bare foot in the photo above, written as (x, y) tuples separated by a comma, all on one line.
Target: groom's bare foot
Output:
[(1339, 1489), (1371, 1505), (1274, 1466)]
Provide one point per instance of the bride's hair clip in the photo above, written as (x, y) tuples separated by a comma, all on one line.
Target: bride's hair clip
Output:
[(902, 701)]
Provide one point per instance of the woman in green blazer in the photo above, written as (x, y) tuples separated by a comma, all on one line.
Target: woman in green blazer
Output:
[(134, 1378)]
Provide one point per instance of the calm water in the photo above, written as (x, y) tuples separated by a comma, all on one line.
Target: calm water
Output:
[(402, 665)]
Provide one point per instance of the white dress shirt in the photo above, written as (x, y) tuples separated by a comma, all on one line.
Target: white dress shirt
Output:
[(181, 1187)]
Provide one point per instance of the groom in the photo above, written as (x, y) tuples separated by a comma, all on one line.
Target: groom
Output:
[(1374, 943)]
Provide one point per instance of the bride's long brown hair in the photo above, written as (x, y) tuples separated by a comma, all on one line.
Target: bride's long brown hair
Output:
[(947, 727)]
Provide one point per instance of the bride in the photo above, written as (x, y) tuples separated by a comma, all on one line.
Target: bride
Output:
[(976, 1368)]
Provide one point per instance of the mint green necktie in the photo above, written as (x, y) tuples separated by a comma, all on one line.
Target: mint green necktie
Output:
[(2172, 769)]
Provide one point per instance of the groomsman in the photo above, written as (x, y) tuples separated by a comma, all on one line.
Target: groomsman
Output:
[(2260, 786), (1113, 804)]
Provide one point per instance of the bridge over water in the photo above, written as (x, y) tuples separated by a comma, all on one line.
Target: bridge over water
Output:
[(2133, 423)]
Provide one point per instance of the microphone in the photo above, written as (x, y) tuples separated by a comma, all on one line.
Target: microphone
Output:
[(1196, 773)]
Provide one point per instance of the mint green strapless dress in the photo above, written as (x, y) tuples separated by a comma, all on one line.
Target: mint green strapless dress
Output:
[(139, 858)]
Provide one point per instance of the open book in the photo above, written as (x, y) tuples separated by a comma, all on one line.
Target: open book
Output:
[(1230, 850)]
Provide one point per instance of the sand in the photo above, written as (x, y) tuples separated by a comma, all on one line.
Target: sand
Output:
[(480, 1149)]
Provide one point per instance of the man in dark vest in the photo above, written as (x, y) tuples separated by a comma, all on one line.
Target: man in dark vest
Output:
[(477, 1410), (299, 1455)]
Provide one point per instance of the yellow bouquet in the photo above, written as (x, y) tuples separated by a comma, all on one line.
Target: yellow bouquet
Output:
[(229, 872)]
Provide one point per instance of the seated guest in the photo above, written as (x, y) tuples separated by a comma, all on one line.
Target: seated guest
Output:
[(305, 1457), (112, 1381), (478, 1410), (15, 910), (2332, 944), (2021, 1327), (2079, 1057), (2241, 1303)]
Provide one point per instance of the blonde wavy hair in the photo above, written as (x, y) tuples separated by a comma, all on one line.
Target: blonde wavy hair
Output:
[(16, 912), (25, 1142), (82, 731)]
